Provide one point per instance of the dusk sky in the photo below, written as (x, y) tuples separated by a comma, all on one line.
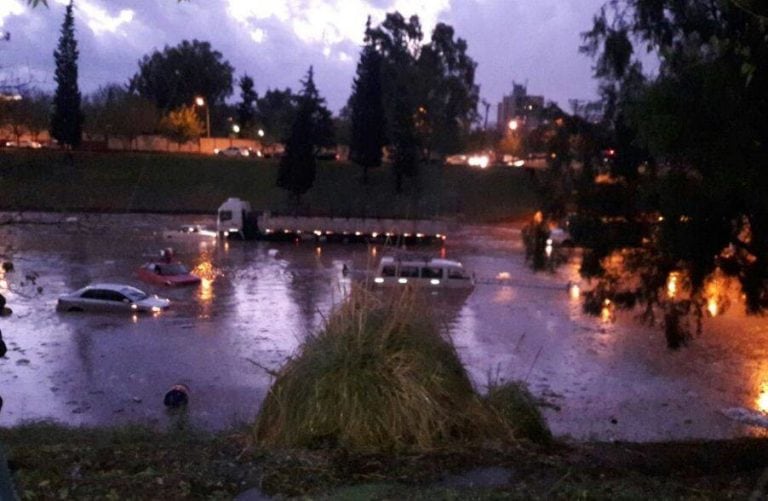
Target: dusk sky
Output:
[(275, 41)]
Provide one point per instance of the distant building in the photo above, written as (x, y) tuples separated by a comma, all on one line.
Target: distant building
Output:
[(591, 111), (522, 111)]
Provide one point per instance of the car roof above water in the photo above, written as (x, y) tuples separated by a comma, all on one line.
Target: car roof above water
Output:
[(420, 261), (111, 286)]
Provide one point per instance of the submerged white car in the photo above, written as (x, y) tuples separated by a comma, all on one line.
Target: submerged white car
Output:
[(111, 297)]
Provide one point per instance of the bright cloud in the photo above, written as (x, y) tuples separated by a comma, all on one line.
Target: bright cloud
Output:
[(258, 35), (327, 23), (98, 19), (10, 8)]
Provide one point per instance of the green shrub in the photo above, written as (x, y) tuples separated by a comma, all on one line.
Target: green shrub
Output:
[(517, 408), (379, 377)]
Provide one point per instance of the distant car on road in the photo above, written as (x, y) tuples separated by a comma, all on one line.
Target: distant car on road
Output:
[(233, 151), (111, 298), (23, 144)]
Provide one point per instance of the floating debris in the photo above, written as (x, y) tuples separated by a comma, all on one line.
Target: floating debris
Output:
[(747, 416), (177, 396)]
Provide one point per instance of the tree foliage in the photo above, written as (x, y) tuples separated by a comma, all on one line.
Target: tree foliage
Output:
[(67, 118), (691, 160), (398, 41), (246, 108), (30, 114), (176, 76), (182, 125), (311, 130), (115, 111), (366, 110), (275, 112)]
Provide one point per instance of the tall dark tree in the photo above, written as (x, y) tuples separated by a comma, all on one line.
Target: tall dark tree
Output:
[(449, 95), (398, 41), (698, 195), (312, 129), (429, 91), (366, 110), (276, 111), (67, 118), (178, 75), (246, 108)]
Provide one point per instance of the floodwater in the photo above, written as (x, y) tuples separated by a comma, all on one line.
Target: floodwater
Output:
[(596, 380)]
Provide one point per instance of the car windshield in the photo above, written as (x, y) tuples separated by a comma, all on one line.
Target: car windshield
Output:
[(172, 269), (133, 294)]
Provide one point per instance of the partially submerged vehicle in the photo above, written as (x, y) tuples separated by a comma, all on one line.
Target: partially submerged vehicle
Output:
[(107, 297), (422, 271), (236, 219), (166, 271), (191, 231)]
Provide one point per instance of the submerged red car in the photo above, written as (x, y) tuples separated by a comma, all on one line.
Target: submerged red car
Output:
[(162, 273)]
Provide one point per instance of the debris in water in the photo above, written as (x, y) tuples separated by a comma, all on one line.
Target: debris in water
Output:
[(747, 416), (177, 396)]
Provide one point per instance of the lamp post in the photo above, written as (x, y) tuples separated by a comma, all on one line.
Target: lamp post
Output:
[(201, 102)]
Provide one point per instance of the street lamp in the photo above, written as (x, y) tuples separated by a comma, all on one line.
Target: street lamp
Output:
[(513, 125), (201, 102), (261, 133)]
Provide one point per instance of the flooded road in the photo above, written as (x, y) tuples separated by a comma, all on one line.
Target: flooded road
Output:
[(597, 380)]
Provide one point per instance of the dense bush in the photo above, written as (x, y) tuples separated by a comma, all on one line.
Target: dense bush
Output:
[(380, 376)]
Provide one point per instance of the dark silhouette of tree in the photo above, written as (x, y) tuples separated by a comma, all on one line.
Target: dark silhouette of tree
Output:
[(366, 110), (246, 108), (67, 118), (312, 129), (30, 114), (115, 111), (177, 75), (276, 111), (690, 159), (429, 92), (398, 42), (449, 95)]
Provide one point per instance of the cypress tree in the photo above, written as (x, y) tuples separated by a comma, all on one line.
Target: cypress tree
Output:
[(311, 129), (367, 109), (67, 118), (246, 109)]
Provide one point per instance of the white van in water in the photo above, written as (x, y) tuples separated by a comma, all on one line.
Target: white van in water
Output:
[(422, 272)]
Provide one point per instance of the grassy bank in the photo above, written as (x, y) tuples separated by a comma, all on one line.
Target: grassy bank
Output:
[(122, 181), (51, 462)]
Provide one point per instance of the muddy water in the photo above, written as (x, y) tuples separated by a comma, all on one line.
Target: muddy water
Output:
[(595, 380)]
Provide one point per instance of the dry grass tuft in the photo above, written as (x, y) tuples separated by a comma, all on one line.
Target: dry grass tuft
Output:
[(379, 377), (517, 409)]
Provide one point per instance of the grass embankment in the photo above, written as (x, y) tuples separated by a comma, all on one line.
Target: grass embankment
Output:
[(151, 182), (52, 462)]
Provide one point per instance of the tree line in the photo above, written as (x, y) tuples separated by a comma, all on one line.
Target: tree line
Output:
[(416, 100)]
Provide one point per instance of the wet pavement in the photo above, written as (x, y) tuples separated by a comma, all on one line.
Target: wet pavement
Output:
[(596, 380)]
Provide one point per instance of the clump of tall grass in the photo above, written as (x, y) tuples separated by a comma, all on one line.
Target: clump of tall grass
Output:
[(379, 377), (517, 409)]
